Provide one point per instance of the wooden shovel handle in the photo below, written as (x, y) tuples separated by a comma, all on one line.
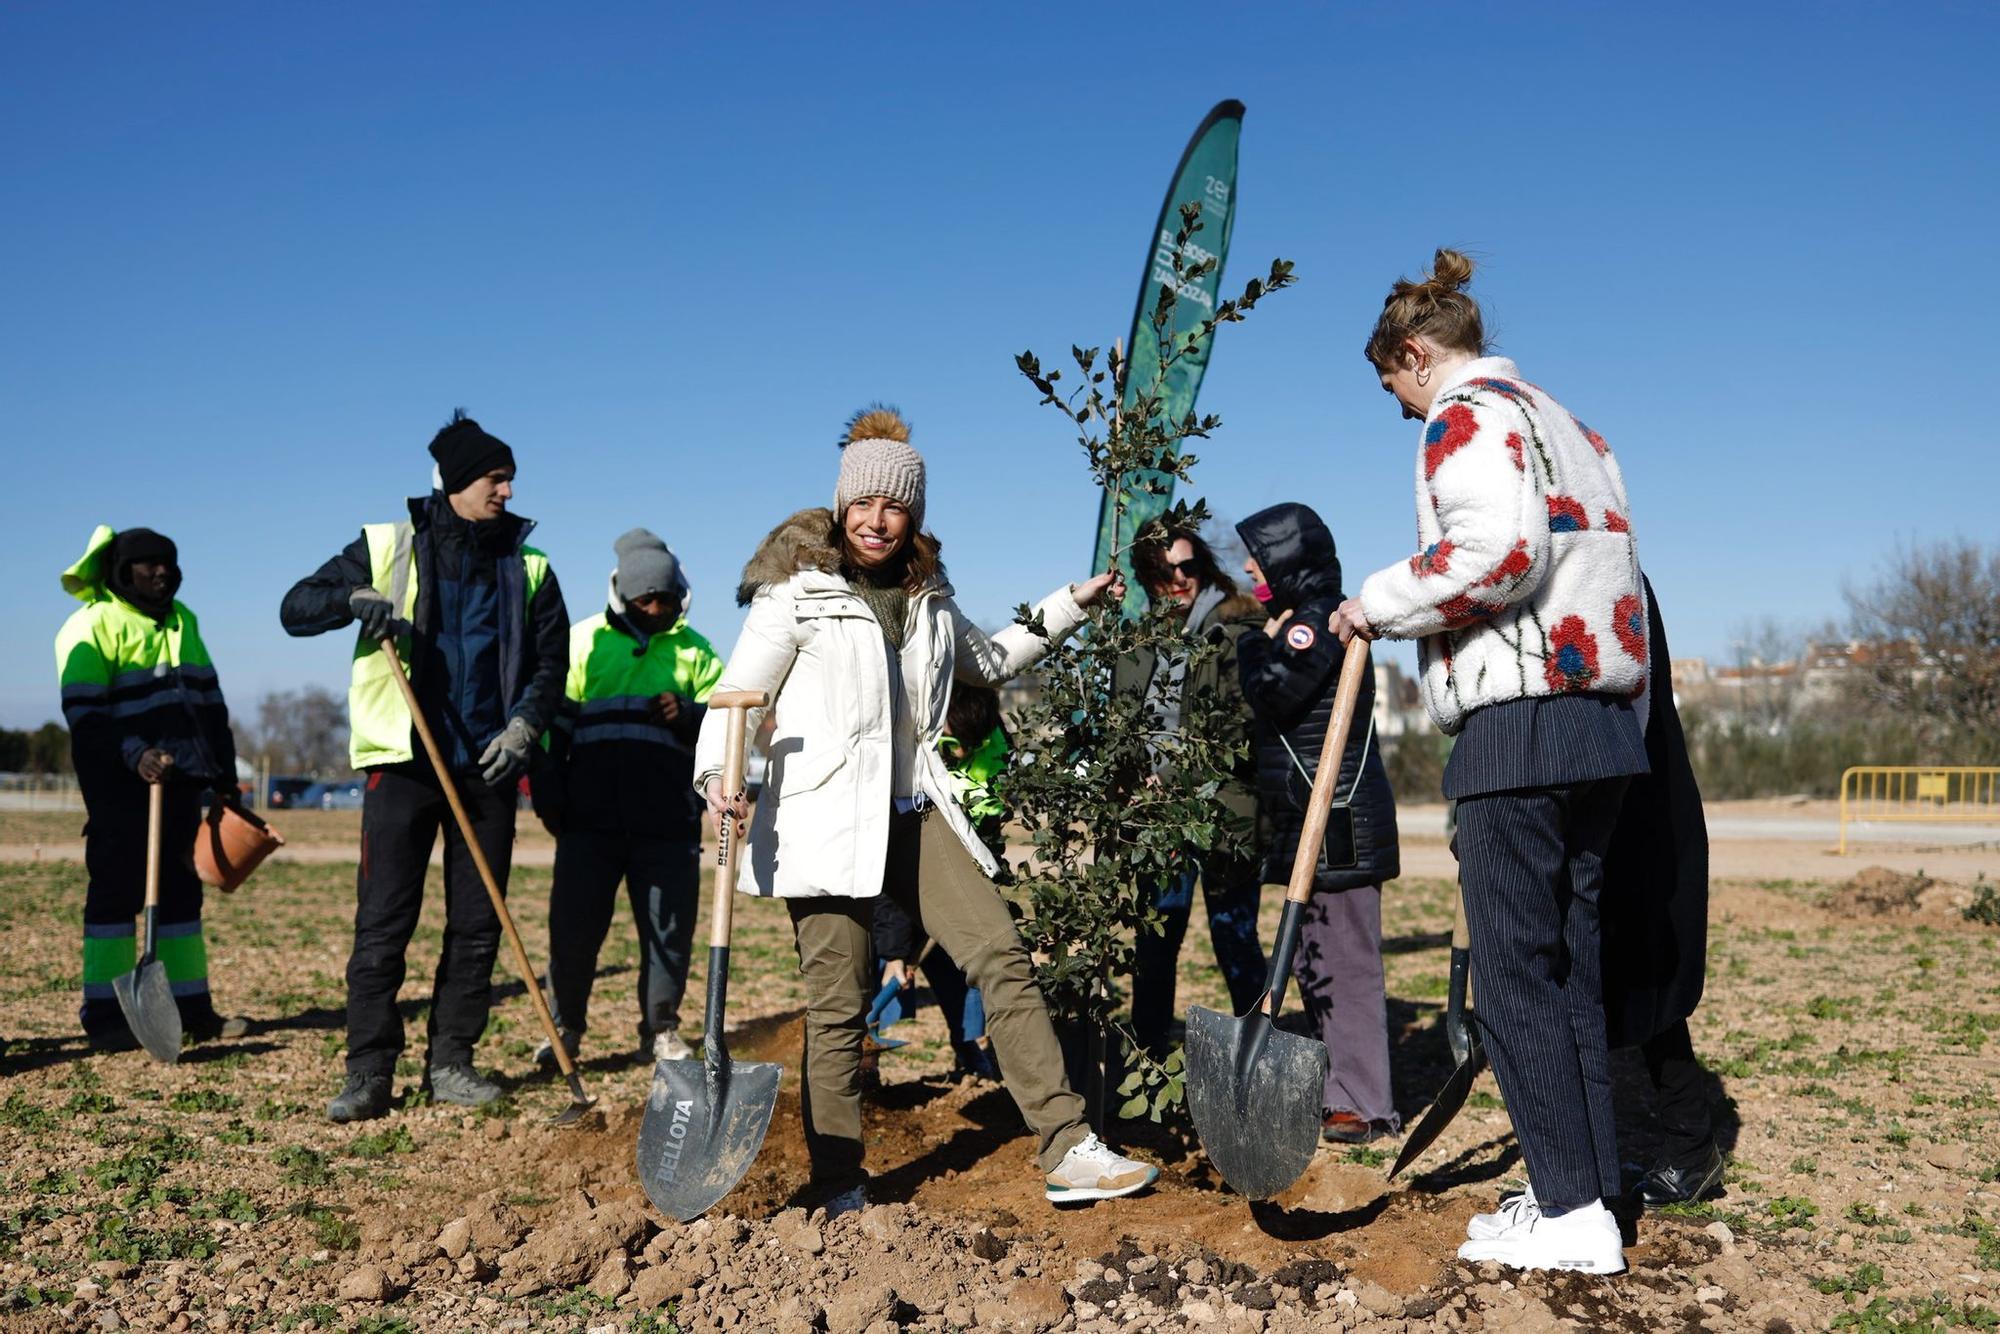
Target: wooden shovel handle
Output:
[(486, 877), (729, 847), (155, 796), (1327, 776)]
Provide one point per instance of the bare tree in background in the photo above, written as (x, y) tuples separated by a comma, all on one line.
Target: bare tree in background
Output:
[(300, 732), (1933, 625), (1769, 661)]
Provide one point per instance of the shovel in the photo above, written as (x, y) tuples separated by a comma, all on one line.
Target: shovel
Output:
[(1461, 1030), (705, 1119), (1254, 1092), (579, 1101), (144, 994)]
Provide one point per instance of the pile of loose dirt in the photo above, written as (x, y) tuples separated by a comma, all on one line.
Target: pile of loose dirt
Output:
[(1878, 892)]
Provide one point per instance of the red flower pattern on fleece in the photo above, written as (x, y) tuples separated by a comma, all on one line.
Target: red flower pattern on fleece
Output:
[(1566, 515), (1628, 622), (1514, 444), (1511, 567), (1462, 611), (1572, 661), (1596, 441), (1615, 522), (1433, 559), (1447, 435)]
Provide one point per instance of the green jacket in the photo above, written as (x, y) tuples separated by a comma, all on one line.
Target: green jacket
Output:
[(131, 683)]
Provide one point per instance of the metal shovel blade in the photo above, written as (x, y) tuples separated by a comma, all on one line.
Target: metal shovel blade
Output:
[(1254, 1093), (704, 1123), (1449, 1099), (150, 1012)]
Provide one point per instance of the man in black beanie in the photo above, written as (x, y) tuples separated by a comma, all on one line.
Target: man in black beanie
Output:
[(477, 615)]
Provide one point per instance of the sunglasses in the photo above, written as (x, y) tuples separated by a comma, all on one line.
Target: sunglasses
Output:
[(1186, 569)]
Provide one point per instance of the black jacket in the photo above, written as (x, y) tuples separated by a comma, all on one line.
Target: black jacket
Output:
[(1655, 902), (1290, 683), (467, 694)]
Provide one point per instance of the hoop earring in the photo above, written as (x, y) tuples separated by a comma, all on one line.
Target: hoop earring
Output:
[(1424, 376)]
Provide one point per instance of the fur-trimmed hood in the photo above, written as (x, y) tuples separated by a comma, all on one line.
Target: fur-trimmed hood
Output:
[(802, 542)]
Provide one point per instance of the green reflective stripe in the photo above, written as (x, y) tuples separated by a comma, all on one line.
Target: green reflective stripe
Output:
[(106, 957), (185, 956)]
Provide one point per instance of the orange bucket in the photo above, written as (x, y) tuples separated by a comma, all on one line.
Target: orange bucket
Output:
[(231, 843)]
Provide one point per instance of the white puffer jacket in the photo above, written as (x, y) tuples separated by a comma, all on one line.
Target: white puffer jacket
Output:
[(1527, 577), (821, 826)]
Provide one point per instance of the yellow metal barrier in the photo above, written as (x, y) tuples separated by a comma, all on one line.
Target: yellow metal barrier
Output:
[(1918, 793)]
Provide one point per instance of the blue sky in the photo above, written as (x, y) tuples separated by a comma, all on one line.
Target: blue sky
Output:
[(252, 255)]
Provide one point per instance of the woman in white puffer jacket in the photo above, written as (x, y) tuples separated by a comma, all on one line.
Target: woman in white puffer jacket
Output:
[(854, 634)]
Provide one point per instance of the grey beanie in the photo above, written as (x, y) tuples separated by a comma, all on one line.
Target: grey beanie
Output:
[(646, 566), (876, 460)]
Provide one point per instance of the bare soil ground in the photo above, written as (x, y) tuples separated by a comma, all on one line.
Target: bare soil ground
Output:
[(1846, 1024)]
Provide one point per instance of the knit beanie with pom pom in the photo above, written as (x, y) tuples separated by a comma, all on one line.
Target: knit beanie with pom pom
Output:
[(876, 460)]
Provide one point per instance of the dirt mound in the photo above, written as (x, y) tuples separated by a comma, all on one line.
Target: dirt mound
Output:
[(1877, 892)]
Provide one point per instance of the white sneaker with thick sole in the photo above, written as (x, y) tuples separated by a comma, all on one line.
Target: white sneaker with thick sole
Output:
[(1092, 1171), (1482, 1227), (1584, 1239), (669, 1047)]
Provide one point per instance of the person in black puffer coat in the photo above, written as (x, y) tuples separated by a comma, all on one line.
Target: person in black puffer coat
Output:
[(1290, 670)]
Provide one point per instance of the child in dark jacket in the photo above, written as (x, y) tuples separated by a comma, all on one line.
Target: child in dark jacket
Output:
[(1290, 669)]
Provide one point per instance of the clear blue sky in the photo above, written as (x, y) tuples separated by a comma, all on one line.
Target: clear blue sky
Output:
[(251, 255)]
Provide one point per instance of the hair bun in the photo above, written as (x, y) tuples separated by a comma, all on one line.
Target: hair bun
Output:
[(877, 421), (1450, 271)]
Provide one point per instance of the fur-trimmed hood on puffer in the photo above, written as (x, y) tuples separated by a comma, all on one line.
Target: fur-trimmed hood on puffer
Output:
[(804, 541)]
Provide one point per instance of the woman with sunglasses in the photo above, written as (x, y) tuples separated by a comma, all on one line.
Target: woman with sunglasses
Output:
[(1182, 572), (855, 636), (1525, 602)]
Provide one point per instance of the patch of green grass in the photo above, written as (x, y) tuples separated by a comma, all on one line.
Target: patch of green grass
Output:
[(382, 1143), (333, 1230), (17, 1113), (301, 1166), (234, 1204), (1792, 1211), (1865, 1214), (1830, 1007), (1366, 1157), (1483, 1100), (1985, 1237), (381, 1324), (90, 1104), (1866, 1278), (1805, 1165), (273, 1110), (236, 1133), (204, 1100), (576, 1304), (317, 1313), (116, 1237)]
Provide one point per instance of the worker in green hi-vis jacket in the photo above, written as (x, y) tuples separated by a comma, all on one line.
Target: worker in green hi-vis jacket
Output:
[(143, 706)]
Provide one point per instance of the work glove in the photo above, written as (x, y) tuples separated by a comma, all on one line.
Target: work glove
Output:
[(376, 614), (154, 764), (506, 755)]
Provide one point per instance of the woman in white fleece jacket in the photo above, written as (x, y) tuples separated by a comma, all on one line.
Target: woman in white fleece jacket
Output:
[(1525, 600)]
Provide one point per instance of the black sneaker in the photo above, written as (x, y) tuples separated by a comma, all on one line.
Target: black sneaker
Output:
[(361, 1098), (461, 1084), (1699, 1178)]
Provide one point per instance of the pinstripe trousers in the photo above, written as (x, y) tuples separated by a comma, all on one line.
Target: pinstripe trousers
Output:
[(1531, 864)]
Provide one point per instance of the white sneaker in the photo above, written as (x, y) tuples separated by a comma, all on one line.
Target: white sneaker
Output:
[(669, 1047), (852, 1200), (1486, 1226), (1585, 1239), (1091, 1171)]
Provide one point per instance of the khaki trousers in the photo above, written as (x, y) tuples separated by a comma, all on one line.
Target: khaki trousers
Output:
[(934, 879)]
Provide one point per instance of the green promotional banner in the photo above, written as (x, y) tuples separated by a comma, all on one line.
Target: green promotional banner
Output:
[(1207, 176)]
